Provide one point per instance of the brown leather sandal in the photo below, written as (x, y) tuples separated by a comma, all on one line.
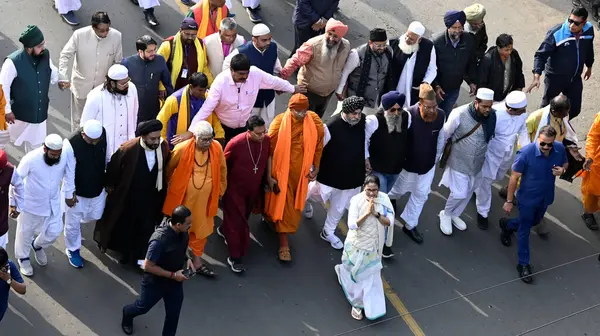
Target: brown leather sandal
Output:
[(284, 254)]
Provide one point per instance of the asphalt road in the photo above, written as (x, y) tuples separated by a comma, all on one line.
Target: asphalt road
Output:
[(460, 285)]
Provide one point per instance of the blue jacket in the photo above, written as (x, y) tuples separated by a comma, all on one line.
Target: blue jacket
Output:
[(561, 54), (307, 12)]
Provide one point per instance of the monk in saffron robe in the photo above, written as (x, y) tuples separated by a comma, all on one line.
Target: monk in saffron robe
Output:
[(590, 186), (208, 15), (247, 155), (296, 148), (197, 177)]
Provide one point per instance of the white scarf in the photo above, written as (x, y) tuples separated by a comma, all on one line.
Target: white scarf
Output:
[(159, 162)]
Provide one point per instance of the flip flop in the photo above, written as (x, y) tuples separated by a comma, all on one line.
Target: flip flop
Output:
[(205, 271)]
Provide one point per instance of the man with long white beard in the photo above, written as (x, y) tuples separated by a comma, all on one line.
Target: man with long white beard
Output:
[(115, 105), (385, 150), (413, 63), (42, 170), (366, 71)]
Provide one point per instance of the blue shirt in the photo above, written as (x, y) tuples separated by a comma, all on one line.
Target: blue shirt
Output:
[(5, 288), (537, 181)]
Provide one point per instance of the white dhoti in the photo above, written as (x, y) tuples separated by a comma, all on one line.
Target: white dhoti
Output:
[(48, 229), (251, 3), (65, 6), (461, 188), (267, 113), (27, 134), (85, 211), (339, 200), (419, 187), (365, 293), (146, 4), (492, 171), (4, 240)]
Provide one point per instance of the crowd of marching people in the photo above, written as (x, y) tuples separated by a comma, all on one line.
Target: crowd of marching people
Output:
[(165, 139)]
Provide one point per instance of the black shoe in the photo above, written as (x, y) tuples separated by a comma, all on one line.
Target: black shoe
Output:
[(253, 15), (387, 252), (413, 234), (70, 18), (505, 238), (151, 19), (393, 201), (127, 324), (235, 265), (525, 273), (135, 2), (590, 221), (482, 222)]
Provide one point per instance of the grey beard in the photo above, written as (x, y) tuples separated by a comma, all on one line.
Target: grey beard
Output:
[(329, 52), (394, 124)]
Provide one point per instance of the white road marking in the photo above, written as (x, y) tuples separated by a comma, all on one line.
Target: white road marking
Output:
[(91, 258), (153, 33), (437, 264), (212, 261), (18, 313), (436, 193), (311, 328), (474, 306), (220, 215)]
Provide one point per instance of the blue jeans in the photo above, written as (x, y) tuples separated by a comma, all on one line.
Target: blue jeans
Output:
[(386, 181), (450, 99), (529, 216), (170, 292)]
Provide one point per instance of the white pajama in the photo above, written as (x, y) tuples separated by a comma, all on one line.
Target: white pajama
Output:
[(339, 200), (251, 3), (48, 229), (4, 240), (267, 113), (230, 6), (461, 188), (85, 211), (65, 6), (147, 4), (419, 187)]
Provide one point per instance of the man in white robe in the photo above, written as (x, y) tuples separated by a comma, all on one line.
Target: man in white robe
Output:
[(115, 105), (67, 9), (84, 150), (471, 127), (43, 170), (510, 126), (414, 62)]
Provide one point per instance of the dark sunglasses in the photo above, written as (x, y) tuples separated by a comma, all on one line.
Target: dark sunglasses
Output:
[(577, 23), (393, 109), (546, 144)]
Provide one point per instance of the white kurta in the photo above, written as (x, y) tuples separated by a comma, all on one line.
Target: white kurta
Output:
[(406, 77), (117, 113), (42, 196), (20, 131), (65, 6), (145, 4)]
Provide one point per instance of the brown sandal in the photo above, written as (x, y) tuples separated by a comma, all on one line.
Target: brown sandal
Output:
[(284, 254)]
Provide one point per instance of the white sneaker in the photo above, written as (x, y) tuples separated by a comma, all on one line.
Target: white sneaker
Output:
[(459, 223), (308, 210), (40, 255), (335, 242), (445, 223), (25, 267)]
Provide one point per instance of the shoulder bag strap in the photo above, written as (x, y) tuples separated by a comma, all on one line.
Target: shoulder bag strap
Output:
[(469, 133)]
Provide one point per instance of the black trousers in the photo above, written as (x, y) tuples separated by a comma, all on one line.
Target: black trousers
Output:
[(170, 291), (302, 35), (231, 132), (317, 103), (572, 87)]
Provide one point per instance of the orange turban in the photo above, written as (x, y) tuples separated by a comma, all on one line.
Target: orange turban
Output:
[(337, 26), (298, 102)]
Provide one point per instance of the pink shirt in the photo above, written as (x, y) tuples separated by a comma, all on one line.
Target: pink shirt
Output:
[(226, 49), (233, 102)]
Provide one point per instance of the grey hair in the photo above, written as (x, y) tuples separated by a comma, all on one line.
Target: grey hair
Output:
[(202, 128), (228, 24)]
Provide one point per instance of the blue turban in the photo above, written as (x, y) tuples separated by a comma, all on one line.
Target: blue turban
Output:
[(452, 16), (392, 98)]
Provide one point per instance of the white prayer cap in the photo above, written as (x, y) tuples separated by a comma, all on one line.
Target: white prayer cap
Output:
[(93, 129), (417, 28), (485, 94), (118, 72), (260, 30), (53, 142), (516, 99)]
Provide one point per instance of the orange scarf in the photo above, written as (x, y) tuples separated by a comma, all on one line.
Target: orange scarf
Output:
[(206, 18), (280, 170), (183, 173)]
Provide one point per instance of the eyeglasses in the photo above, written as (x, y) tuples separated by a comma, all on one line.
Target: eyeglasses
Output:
[(434, 107), (577, 23), (546, 144), (205, 140)]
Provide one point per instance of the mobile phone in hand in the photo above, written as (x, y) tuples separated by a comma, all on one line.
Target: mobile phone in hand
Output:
[(188, 273)]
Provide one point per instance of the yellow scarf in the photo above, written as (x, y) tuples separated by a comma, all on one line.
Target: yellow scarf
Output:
[(184, 111), (177, 62), (206, 18)]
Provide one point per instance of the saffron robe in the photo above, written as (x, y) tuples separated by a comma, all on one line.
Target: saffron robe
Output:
[(590, 186)]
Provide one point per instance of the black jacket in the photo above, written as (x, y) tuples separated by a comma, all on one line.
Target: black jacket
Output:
[(454, 64), (491, 73)]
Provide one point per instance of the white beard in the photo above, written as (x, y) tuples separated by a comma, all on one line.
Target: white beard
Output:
[(408, 49), (394, 124), (327, 52)]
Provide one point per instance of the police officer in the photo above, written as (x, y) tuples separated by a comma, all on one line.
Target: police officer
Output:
[(163, 275)]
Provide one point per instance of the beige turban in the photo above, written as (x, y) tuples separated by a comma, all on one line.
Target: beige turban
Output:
[(475, 12)]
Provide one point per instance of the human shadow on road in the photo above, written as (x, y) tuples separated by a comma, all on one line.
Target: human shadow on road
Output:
[(24, 319)]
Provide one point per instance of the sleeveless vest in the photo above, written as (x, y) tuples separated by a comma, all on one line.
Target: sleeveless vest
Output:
[(265, 62), (422, 141), (29, 90), (90, 159), (421, 65), (376, 77), (468, 155), (387, 149)]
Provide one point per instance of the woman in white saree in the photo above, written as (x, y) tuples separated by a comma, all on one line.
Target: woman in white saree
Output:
[(359, 274)]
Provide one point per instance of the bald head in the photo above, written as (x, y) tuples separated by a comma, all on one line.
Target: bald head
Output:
[(560, 106)]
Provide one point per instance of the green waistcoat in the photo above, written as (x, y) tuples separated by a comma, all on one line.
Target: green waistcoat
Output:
[(29, 90)]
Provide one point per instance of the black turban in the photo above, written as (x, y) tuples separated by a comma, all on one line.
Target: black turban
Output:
[(351, 104), (452, 16), (146, 127), (377, 35)]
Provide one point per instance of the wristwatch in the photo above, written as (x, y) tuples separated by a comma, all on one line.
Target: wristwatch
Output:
[(378, 215), (9, 281)]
